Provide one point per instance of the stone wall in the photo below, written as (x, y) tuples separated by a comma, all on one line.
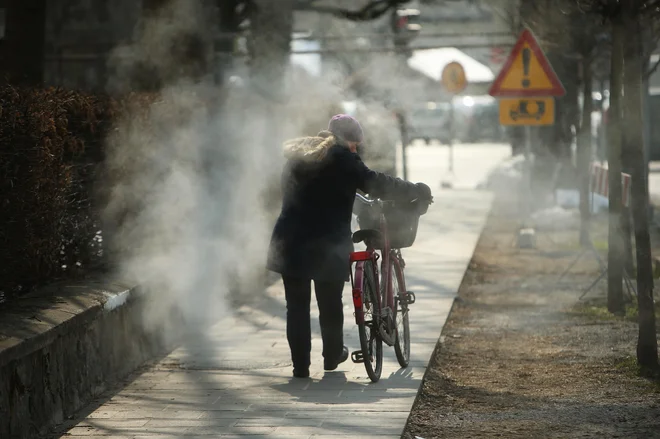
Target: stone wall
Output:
[(61, 347)]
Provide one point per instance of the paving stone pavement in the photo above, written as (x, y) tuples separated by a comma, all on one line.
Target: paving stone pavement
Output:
[(234, 380)]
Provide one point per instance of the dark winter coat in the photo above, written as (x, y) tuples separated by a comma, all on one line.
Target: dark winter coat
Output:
[(312, 236)]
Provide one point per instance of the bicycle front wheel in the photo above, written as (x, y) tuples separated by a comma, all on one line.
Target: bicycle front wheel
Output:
[(402, 342), (370, 341)]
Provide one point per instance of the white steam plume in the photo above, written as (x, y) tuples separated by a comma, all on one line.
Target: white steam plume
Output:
[(189, 178)]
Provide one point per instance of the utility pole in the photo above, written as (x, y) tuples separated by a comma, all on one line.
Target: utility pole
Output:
[(270, 46), (403, 128)]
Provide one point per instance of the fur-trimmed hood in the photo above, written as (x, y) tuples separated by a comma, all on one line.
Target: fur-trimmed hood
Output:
[(310, 149)]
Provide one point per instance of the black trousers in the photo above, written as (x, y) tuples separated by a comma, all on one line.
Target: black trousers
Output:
[(298, 325)]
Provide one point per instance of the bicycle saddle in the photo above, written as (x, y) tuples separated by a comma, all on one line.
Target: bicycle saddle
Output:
[(367, 234)]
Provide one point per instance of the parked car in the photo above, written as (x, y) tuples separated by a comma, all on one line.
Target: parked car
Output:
[(431, 122)]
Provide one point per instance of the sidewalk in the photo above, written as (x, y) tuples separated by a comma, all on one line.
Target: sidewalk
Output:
[(235, 380)]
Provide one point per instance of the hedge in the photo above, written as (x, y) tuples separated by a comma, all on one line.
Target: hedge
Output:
[(50, 149)]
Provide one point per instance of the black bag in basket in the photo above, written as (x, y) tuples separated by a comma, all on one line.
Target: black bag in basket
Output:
[(402, 226)]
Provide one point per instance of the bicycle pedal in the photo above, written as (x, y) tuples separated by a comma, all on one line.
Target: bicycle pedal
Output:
[(357, 357), (410, 297)]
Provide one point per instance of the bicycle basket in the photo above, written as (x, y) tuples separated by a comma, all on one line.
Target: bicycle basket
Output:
[(402, 225)]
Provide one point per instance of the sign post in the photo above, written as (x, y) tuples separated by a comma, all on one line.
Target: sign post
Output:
[(454, 81), (526, 87)]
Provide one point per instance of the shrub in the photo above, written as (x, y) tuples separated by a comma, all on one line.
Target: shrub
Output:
[(50, 148)]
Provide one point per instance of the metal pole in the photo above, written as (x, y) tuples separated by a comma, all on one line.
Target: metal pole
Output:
[(404, 161), (451, 136), (404, 143), (528, 143), (527, 181), (602, 140)]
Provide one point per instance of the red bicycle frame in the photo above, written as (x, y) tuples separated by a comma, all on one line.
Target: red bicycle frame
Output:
[(359, 258)]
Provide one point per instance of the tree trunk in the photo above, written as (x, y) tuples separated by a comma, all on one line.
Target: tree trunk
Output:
[(557, 139), (23, 46), (186, 44), (270, 46), (584, 152), (647, 43), (647, 344), (627, 159), (602, 135), (271, 26), (615, 252), (627, 234)]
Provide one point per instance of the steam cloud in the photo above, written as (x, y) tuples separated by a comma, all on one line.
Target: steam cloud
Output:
[(191, 200)]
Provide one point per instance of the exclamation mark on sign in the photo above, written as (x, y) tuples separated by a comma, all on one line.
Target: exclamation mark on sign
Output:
[(526, 58)]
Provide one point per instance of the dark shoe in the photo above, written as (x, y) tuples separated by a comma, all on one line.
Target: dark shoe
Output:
[(332, 365), (301, 373)]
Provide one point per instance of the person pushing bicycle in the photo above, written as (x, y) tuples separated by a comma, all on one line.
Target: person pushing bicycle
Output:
[(311, 240)]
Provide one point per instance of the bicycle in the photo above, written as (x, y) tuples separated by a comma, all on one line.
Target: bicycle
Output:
[(380, 314)]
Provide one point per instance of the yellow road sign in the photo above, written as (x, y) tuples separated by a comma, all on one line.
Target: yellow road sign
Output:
[(527, 111), (527, 72), (453, 77)]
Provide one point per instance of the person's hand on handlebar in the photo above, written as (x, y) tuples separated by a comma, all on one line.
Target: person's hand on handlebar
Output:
[(424, 192)]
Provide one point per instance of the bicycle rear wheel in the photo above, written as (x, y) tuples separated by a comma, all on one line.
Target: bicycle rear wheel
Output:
[(370, 341), (402, 342)]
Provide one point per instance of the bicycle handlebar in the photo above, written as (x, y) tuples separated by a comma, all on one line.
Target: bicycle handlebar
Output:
[(368, 201), (378, 202)]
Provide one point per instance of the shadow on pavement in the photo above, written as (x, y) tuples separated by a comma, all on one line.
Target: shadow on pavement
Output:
[(335, 388)]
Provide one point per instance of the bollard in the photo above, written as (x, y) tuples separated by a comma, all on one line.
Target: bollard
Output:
[(527, 238)]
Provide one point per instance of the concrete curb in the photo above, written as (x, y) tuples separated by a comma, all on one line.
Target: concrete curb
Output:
[(65, 344)]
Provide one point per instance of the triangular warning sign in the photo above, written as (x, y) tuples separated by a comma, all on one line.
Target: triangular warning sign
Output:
[(527, 72)]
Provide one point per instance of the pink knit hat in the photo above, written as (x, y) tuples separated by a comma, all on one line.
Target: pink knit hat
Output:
[(346, 127)]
